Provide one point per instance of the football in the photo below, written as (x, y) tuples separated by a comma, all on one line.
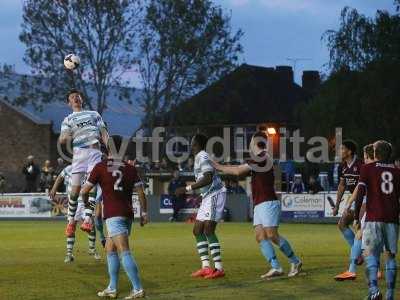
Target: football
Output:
[(71, 61)]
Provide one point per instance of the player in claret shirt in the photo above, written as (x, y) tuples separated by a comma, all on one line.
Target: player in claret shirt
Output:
[(380, 182), (267, 207), (349, 173), (117, 180)]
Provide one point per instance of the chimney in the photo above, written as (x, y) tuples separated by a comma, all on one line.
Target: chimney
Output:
[(285, 73), (311, 81)]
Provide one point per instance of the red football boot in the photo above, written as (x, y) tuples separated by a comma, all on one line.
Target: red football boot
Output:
[(345, 276), (202, 272), (216, 274), (87, 227), (70, 229)]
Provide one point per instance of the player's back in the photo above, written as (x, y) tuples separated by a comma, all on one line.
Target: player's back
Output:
[(117, 180), (262, 178), (382, 181)]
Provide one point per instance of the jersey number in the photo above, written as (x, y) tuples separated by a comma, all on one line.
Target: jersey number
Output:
[(387, 182), (118, 174)]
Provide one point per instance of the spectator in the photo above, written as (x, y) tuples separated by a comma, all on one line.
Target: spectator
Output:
[(314, 186), (2, 184), (164, 166), (46, 177), (156, 166), (60, 166), (289, 169), (178, 202), (189, 165), (397, 162), (31, 172), (298, 185)]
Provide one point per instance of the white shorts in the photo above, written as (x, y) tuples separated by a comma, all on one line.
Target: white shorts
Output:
[(84, 160), (212, 207), (267, 214), (80, 212)]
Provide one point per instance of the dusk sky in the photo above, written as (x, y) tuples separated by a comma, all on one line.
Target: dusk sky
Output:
[(275, 30)]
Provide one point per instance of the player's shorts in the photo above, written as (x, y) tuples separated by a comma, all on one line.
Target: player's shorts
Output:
[(267, 213), (118, 225), (212, 207), (378, 236), (84, 160), (80, 212)]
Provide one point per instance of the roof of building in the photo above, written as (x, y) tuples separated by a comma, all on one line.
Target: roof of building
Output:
[(249, 94)]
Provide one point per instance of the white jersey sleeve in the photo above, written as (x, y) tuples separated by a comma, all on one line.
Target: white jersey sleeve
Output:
[(66, 126)]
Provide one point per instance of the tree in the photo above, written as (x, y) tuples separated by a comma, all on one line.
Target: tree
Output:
[(362, 91), (361, 40), (184, 46), (101, 32)]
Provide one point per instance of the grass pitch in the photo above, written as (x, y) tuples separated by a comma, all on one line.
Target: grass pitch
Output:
[(32, 267)]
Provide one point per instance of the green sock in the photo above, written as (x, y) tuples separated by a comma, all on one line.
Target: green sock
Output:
[(215, 250), (202, 249)]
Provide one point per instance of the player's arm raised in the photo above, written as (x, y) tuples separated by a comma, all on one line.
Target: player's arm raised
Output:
[(56, 185), (85, 192), (65, 133), (239, 170)]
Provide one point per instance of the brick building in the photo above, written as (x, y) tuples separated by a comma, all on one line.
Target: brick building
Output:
[(22, 134)]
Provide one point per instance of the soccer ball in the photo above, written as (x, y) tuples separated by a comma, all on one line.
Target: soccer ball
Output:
[(71, 61)]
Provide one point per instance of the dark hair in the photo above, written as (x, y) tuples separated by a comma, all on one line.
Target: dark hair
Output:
[(351, 145), (383, 150), (201, 140), (73, 91), (116, 140), (262, 139), (369, 151)]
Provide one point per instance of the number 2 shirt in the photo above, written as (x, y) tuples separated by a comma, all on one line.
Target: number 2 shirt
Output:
[(117, 180)]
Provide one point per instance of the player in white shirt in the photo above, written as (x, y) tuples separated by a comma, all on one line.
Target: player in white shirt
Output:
[(87, 130), (213, 195), (76, 213)]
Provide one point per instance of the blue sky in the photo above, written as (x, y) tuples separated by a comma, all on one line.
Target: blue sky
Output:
[(274, 29)]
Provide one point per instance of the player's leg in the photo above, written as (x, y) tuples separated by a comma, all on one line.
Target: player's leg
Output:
[(372, 244), (391, 237), (119, 229), (216, 210), (268, 251), (344, 225), (92, 233), (271, 225), (73, 202), (215, 249), (93, 157), (260, 220), (69, 257), (113, 266), (98, 221), (202, 247), (355, 252)]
